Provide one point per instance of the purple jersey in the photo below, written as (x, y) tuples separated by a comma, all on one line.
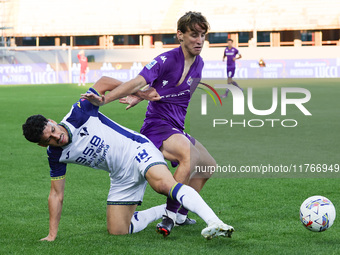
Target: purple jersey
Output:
[(163, 74), (230, 54)]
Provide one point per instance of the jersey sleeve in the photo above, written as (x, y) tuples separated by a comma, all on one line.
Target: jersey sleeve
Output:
[(237, 52), (81, 111), (57, 169), (85, 106), (152, 71)]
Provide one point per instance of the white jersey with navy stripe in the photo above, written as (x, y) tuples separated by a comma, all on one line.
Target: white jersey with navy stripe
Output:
[(97, 142)]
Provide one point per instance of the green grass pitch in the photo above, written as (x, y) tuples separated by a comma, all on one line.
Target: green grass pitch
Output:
[(264, 211)]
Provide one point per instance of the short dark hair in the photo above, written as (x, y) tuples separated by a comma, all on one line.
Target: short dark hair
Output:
[(34, 127), (230, 40), (190, 19)]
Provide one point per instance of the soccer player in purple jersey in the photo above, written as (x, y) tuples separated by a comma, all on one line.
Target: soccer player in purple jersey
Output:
[(231, 54), (174, 75)]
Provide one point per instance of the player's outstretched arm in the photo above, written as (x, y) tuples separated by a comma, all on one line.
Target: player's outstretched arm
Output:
[(122, 90), (105, 84), (149, 94), (130, 100), (127, 88), (55, 204)]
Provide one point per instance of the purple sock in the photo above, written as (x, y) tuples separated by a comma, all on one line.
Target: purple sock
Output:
[(235, 83), (172, 205), (183, 211)]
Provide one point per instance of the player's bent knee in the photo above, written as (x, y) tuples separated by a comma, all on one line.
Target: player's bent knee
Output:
[(191, 155), (118, 232), (117, 229), (184, 156), (119, 218), (160, 179)]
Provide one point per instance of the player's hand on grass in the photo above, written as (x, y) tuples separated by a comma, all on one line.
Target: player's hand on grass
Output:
[(149, 94), (48, 238), (94, 99), (131, 100)]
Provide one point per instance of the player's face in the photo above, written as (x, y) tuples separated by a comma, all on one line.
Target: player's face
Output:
[(54, 135), (230, 44), (192, 41)]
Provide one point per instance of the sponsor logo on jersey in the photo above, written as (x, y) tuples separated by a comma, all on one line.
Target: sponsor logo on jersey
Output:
[(179, 94), (151, 64)]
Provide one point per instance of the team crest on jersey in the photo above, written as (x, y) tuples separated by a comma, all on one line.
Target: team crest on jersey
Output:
[(163, 58), (83, 132), (189, 81), (151, 64)]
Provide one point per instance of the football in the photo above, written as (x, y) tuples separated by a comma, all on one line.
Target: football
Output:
[(317, 213)]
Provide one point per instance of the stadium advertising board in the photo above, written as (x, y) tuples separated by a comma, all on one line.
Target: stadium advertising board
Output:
[(45, 73)]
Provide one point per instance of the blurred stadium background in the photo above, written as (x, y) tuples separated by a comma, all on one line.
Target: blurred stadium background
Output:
[(40, 39)]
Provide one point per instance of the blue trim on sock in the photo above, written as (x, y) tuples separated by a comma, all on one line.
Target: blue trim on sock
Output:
[(175, 190)]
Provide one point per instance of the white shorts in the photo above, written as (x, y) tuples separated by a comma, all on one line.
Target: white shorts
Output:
[(129, 186)]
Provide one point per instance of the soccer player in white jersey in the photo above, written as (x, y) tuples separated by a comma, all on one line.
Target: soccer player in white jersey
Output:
[(87, 137)]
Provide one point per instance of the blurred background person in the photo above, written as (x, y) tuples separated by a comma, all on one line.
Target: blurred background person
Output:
[(83, 67)]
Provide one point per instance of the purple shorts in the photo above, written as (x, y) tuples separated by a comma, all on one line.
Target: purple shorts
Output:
[(230, 71), (158, 131)]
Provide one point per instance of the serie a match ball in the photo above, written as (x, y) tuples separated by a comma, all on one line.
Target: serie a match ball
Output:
[(317, 213)]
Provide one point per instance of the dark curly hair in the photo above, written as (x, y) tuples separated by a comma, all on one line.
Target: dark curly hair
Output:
[(34, 127)]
